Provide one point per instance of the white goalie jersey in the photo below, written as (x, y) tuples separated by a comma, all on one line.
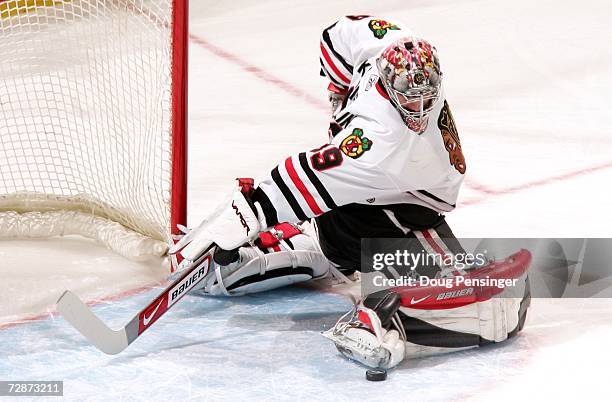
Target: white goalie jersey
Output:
[(352, 40), (372, 157)]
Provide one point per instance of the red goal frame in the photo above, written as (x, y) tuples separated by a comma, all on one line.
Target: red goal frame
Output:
[(180, 67)]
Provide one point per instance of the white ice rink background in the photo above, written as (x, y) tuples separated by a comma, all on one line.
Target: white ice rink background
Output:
[(530, 86)]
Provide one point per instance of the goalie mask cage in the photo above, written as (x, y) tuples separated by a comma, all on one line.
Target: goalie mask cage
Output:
[(93, 121)]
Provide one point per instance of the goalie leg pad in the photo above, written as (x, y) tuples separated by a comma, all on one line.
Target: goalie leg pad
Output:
[(472, 325), (257, 270), (489, 315)]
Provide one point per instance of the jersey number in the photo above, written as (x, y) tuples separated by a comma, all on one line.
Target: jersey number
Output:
[(327, 159)]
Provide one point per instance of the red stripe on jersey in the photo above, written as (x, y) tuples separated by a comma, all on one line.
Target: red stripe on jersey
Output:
[(433, 244), (299, 184), (333, 66), (381, 91)]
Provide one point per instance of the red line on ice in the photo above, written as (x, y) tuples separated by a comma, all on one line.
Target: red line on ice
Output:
[(260, 73), (35, 317), (536, 183)]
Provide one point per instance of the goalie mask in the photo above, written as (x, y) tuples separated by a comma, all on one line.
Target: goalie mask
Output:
[(410, 71)]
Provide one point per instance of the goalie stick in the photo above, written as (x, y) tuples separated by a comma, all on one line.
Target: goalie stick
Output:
[(112, 341)]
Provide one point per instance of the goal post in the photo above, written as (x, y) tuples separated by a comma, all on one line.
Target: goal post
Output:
[(180, 39), (93, 121)]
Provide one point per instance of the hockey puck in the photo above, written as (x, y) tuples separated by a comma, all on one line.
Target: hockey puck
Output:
[(377, 374)]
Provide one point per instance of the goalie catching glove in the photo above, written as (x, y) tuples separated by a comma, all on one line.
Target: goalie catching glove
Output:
[(233, 223)]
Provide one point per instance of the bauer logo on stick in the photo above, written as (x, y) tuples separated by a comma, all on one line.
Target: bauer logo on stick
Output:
[(188, 282)]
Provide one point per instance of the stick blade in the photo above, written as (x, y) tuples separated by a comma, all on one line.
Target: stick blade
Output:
[(89, 325)]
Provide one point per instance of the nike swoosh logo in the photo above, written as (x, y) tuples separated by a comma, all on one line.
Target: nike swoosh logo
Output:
[(146, 320), (412, 301)]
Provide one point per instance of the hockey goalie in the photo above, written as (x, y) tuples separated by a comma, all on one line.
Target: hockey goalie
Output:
[(392, 168)]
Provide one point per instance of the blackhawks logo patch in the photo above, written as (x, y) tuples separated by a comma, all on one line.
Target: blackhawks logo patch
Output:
[(450, 136), (355, 144), (381, 27)]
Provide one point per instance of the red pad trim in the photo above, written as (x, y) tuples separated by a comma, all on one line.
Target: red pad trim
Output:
[(364, 318), (288, 230), (426, 297), (268, 240), (247, 185), (333, 66), (299, 184)]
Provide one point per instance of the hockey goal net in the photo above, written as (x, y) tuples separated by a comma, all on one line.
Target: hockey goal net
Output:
[(92, 121)]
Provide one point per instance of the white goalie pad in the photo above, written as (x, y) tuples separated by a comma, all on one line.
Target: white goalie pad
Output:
[(256, 271), (291, 261)]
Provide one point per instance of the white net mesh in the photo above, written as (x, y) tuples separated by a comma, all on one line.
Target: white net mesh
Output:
[(85, 109)]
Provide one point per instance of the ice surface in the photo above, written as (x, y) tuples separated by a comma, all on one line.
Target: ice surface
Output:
[(267, 347), (529, 84)]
